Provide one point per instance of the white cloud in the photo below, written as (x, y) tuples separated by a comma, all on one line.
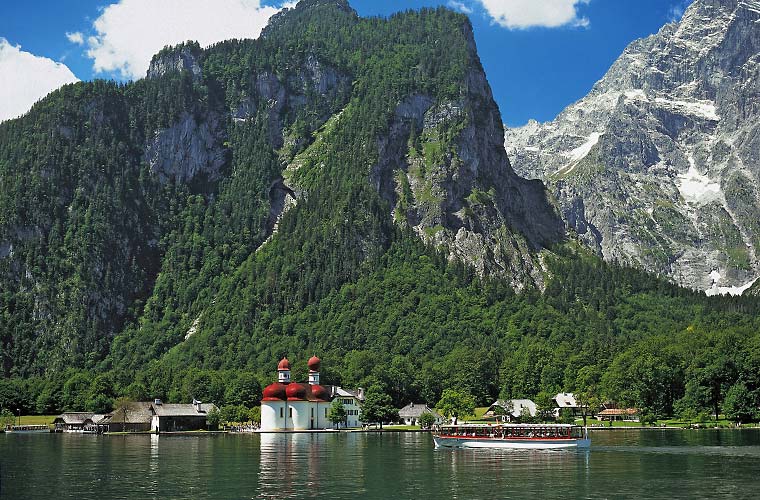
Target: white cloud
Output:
[(26, 78), (520, 14), (76, 38), (460, 7), (129, 32), (676, 12)]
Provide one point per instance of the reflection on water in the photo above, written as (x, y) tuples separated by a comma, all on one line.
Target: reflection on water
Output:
[(649, 464), (153, 463), (295, 465)]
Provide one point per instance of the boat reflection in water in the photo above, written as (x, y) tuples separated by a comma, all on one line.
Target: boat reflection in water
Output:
[(532, 436)]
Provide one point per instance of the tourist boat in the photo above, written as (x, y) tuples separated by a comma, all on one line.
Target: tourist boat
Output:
[(536, 436), (27, 428)]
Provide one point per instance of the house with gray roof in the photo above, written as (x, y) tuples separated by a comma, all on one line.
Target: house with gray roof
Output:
[(411, 413), (351, 400), (134, 416), (511, 409), (179, 417), (97, 423), (139, 416), (566, 401), (71, 421)]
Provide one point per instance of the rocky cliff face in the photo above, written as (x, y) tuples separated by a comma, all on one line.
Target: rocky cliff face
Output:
[(659, 166), (186, 149), (288, 96), (183, 57), (444, 169)]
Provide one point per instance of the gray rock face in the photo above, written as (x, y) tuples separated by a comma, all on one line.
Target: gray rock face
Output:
[(313, 77), (444, 169), (659, 166), (187, 149), (184, 58)]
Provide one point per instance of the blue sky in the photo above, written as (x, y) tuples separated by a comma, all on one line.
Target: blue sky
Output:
[(539, 55)]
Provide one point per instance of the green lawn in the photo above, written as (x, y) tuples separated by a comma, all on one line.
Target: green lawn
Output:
[(673, 422), (592, 422), (36, 419), (677, 422), (479, 412), (477, 417)]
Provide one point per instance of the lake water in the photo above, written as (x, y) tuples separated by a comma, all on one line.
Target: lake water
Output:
[(620, 464)]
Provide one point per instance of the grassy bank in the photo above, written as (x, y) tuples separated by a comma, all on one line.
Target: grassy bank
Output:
[(35, 420)]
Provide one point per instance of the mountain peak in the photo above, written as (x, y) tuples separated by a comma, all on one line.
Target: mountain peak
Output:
[(658, 166), (339, 4), (307, 8)]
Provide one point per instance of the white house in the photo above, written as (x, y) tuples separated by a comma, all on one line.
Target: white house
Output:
[(410, 414), (518, 408), (566, 400), (352, 402)]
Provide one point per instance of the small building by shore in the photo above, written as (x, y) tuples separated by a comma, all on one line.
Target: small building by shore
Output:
[(72, 421), (180, 417), (511, 409), (134, 416), (411, 413), (627, 414), (566, 402), (139, 416)]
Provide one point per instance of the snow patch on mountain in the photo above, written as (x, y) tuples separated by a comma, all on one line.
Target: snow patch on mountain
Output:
[(702, 109), (635, 95), (698, 188), (577, 154), (584, 149), (729, 290)]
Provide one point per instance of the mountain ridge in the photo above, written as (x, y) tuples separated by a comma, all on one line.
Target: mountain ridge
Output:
[(251, 158)]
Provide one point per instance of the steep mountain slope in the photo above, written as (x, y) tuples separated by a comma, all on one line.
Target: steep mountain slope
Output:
[(659, 166), (251, 179)]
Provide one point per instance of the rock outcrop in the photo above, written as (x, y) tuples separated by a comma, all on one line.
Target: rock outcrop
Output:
[(183, 57), (659, 166), (289, 94), (186, 149), (444, 169)]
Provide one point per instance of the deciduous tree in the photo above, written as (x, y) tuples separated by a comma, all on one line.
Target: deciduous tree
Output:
[(337, 413), (455, 403)]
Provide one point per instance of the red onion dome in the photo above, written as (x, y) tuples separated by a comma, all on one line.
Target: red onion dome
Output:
[(321, 393), (314, 363), (296, 392), (284, 364), (275, 392)]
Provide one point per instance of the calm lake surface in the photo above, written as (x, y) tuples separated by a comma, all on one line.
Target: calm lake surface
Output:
[(620, 464)]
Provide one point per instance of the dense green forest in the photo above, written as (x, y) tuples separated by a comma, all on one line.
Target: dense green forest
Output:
[(125, 273)]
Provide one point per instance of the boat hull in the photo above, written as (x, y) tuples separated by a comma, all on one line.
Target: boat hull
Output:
[(536, 444)]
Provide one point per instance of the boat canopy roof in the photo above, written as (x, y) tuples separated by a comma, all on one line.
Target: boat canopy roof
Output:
[(511, 426)]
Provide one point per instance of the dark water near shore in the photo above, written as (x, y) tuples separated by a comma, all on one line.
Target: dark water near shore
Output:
[(620, 464)]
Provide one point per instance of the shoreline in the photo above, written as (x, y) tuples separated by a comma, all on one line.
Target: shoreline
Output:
[(370, 431)]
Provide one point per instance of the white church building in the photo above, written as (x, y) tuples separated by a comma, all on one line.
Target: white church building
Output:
[(293, 406)]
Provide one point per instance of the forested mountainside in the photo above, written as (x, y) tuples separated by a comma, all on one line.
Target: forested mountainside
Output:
[(135, 206), (339, 187), (659, 166)]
